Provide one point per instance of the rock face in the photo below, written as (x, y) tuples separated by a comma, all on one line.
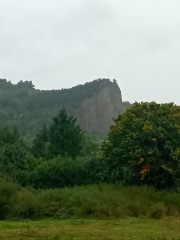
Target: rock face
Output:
[(94, 104), (97, 112)]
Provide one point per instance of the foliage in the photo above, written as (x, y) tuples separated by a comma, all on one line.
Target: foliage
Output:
[(144, 145), (91, 145), (95, 201), (39, 148), (63, 137), (8, 191), (14, 154), (63, 172)]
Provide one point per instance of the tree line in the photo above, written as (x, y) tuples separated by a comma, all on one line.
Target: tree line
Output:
[(142, 148)]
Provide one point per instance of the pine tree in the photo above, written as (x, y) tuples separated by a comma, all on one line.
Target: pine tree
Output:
[(65, 137)]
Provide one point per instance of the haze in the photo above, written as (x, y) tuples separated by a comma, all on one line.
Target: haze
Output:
[(60, 44)]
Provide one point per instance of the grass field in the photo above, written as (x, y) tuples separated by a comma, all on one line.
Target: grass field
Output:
[(130, 228)]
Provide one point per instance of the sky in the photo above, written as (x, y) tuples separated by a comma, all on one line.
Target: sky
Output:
[(62, 43)]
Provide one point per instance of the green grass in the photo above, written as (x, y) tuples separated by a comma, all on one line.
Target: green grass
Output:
[(130, 228), (95, 212), (96, 201), (103, 202)]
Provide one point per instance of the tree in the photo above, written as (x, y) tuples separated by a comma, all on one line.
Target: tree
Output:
[(143, 147), (14, 154), (65, 137), (39, 143), (91, 145)]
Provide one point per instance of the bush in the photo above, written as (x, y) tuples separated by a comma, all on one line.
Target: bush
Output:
[(8, 192), (158, 211), (143, 147), (63, 172), (95, 201), (105, 201), (25, 205)]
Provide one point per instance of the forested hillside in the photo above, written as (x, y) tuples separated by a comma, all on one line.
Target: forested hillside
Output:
[(28, 108)]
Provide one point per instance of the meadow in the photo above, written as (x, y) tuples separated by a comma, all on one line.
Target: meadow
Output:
[(125, 229), (102, 211)]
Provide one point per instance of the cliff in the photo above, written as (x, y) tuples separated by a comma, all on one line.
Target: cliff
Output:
[(96, 113), (94, 104)]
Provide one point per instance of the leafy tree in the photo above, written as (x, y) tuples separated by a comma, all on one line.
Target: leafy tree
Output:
[(91, 145), (143, 147), (14, 154), (65, 137)]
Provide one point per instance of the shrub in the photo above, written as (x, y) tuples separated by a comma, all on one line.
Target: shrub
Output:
[(64, 172), (8, 192), (95, 201), (25, 205), (158, 211), (106, 201)]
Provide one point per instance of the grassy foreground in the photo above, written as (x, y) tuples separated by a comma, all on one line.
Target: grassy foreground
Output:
[(130, 228)]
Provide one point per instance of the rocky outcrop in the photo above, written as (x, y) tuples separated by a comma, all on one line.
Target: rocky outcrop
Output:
[(94, 104), (96, 113)]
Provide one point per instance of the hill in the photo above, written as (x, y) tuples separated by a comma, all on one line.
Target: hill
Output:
[(94, 105)]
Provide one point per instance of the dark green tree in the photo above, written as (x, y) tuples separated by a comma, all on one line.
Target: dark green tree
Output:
[(40, 143), (143, 147), (65, 137), (14, 153)]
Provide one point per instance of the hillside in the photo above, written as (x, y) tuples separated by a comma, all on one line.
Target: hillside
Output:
[(94, 105)]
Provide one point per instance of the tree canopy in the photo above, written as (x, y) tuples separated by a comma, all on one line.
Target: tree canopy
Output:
[(14, 154), (65, 137), (62, 137), (143, 147)]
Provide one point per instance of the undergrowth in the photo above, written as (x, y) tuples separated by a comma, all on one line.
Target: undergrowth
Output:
[(95, 201)]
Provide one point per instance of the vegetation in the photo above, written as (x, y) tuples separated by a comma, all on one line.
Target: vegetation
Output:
[(63, 137), (14, 154), (95, 201), (62, 172), (57, 171), (124, 229), (143, 147), (51, 163)]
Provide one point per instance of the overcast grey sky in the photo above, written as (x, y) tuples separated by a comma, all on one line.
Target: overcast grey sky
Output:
[(61, 43)]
